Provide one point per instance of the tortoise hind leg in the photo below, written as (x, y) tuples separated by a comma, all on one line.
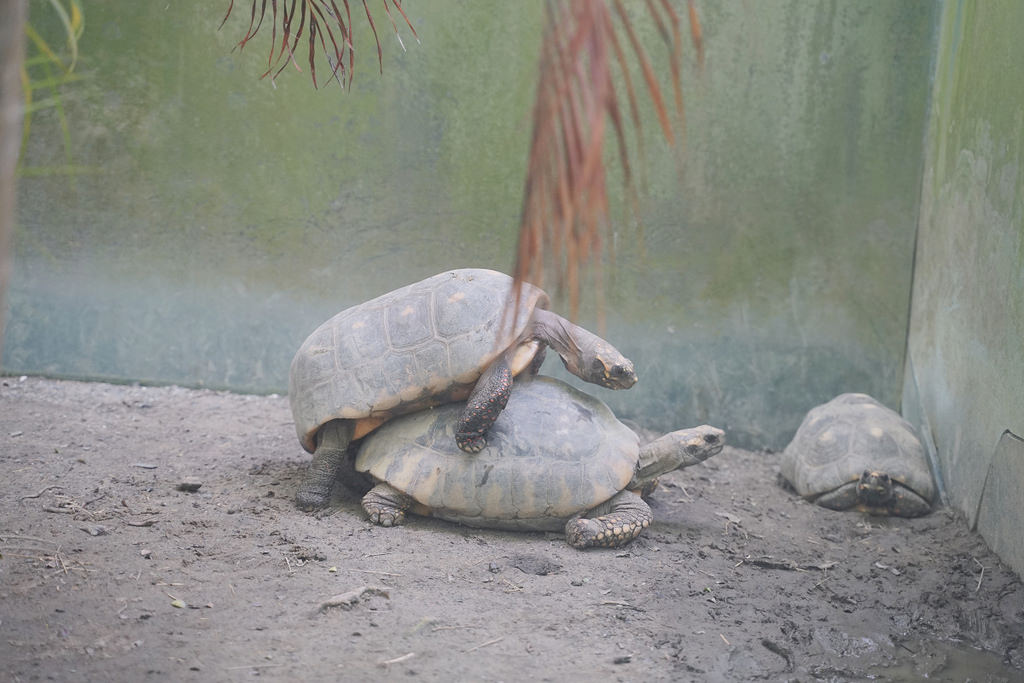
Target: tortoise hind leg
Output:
[(386, 505), (332, 443), (618, 521)]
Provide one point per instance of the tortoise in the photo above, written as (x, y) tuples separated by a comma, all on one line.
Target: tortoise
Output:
[(557, 459), (446, 338), (853, 453)]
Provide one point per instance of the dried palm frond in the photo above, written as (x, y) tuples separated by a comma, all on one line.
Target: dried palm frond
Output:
[(564, 212), (13, 16), (326, 26), (565, 201)]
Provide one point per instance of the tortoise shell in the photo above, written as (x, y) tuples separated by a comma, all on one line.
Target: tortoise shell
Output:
[(553, 453), (851, 435), (421, 345)]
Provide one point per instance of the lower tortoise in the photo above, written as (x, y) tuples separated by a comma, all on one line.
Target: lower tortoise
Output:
[(853, 453), (556, 459)]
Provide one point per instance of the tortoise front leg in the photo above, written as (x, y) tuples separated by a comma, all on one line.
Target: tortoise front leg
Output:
[(907, 503), (332, 443), (484, 405), (386, 505), (618, 521), (842, 498)]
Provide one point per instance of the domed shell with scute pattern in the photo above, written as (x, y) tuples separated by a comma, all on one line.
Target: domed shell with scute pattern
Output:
[(853, 434), (409, 349), (553, 453)]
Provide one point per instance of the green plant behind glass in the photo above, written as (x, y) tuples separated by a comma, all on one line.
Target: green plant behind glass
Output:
[(44, 72)]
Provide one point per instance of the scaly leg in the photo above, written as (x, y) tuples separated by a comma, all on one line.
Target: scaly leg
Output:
[(332, 442), (386, 505), (484, 405), (618, 521)]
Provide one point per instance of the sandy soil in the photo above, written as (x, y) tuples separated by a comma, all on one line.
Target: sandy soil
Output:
[(110, 571)]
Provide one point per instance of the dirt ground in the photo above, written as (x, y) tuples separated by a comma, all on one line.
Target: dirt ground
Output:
[(111, 572)]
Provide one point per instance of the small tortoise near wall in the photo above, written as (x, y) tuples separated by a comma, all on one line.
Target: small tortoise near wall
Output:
[(557, 459), (853, 453), (436, 341)]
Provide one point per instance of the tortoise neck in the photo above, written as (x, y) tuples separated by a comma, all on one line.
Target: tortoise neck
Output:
[(558, 333), (658, 457)]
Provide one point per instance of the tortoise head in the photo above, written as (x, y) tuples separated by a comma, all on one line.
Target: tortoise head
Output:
[(874, 489), (675, 450), (584, 354), (601, 363)]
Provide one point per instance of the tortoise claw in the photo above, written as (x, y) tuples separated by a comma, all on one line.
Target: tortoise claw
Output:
[(605, 532), (383, 516), (386, 505), (577, 533), (470, 443)]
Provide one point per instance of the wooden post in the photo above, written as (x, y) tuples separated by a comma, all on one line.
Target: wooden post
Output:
[(12, 51)]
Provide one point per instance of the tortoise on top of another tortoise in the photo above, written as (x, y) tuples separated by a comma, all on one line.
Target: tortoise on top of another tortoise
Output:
[(439, 340), (556, 459), (853, 453)]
